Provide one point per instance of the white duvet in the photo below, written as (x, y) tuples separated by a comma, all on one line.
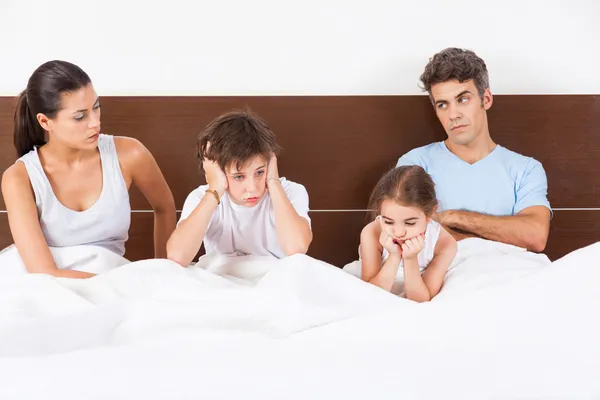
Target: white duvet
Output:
[(507, 324)]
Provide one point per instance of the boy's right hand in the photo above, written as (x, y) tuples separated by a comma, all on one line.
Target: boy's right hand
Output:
[(215, 177)]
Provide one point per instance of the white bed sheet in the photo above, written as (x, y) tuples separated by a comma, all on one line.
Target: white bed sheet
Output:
[(507, 324)]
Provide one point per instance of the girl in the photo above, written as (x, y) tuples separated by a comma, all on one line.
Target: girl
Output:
[(404, 242), (70, 185)]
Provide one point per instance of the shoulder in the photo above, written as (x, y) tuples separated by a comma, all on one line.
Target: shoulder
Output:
[(522, 165), (420, 155), (15, 181), (197, 194), (371, 230), (129, 148), (293, 188), (518, 159), (16, 174), (192, 200), (445, 242), (369, 236)]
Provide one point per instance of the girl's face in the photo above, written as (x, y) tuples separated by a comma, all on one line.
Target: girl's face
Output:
[(402, 222)]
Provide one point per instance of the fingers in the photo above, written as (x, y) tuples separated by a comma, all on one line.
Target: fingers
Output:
[(405, 248)]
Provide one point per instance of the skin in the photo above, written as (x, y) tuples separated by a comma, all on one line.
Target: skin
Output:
[(244, 186), (71, 161), (463, 114), (401, 231)]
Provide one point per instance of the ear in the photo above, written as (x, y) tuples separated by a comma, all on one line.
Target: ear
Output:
[(488, 99), (44, 121), (429, 218)]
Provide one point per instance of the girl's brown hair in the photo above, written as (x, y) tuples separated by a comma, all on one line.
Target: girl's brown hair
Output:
[(407, 185)]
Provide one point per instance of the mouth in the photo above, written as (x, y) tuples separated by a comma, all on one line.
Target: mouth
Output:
[(458, 128), (252, 200), (94, 136)]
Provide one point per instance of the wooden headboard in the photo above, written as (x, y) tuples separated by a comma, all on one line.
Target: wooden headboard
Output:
[(338, 147)]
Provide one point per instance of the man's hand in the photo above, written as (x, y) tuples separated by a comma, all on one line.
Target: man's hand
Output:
[(412, 247), (215, 177)]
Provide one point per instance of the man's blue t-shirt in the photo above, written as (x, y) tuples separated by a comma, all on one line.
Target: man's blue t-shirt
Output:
[(502, 183)]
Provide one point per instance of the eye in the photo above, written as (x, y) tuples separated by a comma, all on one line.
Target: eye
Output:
[(410, 223), (79, 117), (239, 177), (463, 100), (441, 106), (388, 223), (97, 106), (260, 173)]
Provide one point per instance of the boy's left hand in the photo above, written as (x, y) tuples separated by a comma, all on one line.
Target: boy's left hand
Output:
[(272, 171), (412, 247)]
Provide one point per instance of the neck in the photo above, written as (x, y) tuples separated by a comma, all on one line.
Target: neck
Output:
[(56, 152), (475, 150)]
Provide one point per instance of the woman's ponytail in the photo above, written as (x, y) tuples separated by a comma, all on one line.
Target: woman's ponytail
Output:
[(28, 133)]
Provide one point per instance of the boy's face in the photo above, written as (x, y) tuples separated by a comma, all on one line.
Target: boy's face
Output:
[(460, 110), (248, 184)]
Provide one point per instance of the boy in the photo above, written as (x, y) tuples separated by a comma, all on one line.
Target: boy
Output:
[(245, 208)]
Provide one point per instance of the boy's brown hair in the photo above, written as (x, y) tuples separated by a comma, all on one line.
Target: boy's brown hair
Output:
[(408, 185), (235, 138)]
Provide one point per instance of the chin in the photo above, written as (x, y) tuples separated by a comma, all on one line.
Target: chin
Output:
[(461, 139)]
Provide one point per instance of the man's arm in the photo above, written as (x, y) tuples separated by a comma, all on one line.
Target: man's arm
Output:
[(528, 229), (458, 234)]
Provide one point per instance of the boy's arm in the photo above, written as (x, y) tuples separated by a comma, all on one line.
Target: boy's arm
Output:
[(185, 242), (293, 231)]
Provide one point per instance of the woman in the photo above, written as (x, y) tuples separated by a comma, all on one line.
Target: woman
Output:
[(70, 185)]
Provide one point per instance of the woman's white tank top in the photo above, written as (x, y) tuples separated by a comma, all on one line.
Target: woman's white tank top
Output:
[(104, 224)]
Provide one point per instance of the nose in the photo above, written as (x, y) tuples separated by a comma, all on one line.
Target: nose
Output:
[(252, 185), (94, 121), (399, 232), (454, 113)]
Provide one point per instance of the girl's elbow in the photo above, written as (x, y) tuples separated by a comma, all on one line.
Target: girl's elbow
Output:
[(419, 297)]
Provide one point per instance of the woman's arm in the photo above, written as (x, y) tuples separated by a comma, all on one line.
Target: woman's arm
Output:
[(371, 249), (143, 171), (293, 231), (25, 225)]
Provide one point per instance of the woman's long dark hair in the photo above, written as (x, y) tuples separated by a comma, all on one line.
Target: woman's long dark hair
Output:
[(42, 95)]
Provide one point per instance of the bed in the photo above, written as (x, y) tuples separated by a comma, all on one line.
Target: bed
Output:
[(508, 323)]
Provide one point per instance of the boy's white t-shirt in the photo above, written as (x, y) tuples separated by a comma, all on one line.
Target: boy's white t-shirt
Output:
[(239, 230)]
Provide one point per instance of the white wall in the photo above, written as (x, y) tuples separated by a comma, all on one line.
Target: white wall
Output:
[(259, 47)]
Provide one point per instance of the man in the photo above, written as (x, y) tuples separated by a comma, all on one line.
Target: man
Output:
[(484, 189)]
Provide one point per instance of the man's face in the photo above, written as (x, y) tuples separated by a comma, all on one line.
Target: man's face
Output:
[(460, 110)]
